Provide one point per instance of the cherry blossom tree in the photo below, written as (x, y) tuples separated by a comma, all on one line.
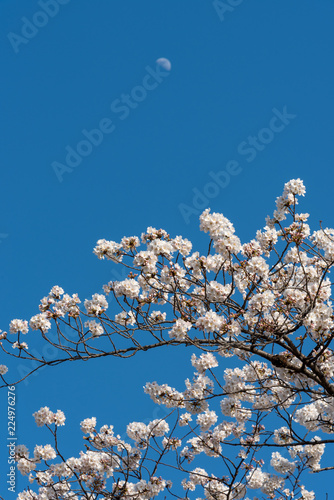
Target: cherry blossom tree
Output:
[(266, 304)]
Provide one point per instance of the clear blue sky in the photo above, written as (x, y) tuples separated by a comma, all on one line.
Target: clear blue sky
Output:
[(230, 79)]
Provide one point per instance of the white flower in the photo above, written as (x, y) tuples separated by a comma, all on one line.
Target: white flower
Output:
[(295, 186), (171, 443), (97, 305), (40, 322), (215, 224), (272, 483), (137, 431), (325, 241), (21, 451), (204, 362), (108, 249), (308, 416), (232, 408), (197, 477), (184, 419), (267, 239), (25, 466), (147, 260), (44, 452), (130, 243), (158, 427), (257, 265), (43, 416), (161, 247), (152, 234), (261, 302), (216, 292), (165, 394), (20, 345), (281, 464), (210, 322), (88, 425), (95, 328), (184, 246), (59, 418), (125, 318), (63, 306), (206, 420), (157, 316), (313, 453), (256, 478), (18, 325), (129, 287), (306, 495), (3, 369), (56, 291), (180, 329)]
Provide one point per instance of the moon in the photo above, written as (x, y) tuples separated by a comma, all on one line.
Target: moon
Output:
[(164, 63)]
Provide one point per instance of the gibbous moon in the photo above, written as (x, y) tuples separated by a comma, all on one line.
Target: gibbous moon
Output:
[(164, 63)]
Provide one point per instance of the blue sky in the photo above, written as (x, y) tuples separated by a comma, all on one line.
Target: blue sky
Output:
[(249, 99)]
